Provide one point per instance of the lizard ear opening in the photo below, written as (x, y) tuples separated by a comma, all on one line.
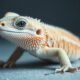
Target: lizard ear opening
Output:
[(11, 14), (38, 31)]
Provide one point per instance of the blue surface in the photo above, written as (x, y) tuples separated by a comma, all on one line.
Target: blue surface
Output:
[(31, 68)]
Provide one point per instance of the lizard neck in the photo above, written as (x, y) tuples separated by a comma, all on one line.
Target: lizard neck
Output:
[(25, 41)]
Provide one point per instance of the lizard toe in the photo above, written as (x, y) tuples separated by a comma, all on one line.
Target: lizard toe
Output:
[(8, 65), (1, 63), (66, 69)]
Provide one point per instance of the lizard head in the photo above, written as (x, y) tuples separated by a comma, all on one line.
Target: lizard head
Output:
[(14, 27), (13, 22)]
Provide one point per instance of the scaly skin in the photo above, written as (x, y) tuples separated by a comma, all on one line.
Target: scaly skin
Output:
[(41, 40), (65, 40)]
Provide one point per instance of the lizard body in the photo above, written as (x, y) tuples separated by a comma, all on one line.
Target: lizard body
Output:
[(65, 40), (41, 40)]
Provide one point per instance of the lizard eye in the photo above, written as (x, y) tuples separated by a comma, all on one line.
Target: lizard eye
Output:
[(20, 23)]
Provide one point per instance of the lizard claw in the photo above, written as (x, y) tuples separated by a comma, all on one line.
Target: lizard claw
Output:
[(8, 65), (66, 69), (1, 63)]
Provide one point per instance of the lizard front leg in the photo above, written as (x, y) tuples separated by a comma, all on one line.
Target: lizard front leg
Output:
[(62, 56), (14, 57)]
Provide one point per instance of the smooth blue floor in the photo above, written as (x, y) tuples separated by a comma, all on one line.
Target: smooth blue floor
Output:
[(31, 68)]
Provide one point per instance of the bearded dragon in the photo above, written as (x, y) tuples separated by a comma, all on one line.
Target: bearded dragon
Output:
[(41, 40)]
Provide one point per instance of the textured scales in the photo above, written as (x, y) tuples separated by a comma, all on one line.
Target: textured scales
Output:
[(66, 40), (40, 39)]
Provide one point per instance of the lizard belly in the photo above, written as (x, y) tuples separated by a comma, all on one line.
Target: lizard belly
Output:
[(42, 56)]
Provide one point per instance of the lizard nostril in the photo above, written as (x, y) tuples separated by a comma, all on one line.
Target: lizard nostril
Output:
[(2, 24)]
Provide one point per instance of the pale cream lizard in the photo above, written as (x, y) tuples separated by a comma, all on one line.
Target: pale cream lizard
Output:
[(44, 41)]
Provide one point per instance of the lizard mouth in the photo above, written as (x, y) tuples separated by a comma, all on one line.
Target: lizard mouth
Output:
[(17, 31)]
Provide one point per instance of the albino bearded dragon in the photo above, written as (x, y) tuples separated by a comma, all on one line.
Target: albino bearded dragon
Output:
[(40, 40)]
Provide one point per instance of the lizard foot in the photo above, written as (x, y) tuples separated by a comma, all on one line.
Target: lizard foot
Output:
[(66, 69), (8, 65), (1, 63)]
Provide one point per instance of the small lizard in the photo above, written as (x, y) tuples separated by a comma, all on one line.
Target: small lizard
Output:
[(41, 40)]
